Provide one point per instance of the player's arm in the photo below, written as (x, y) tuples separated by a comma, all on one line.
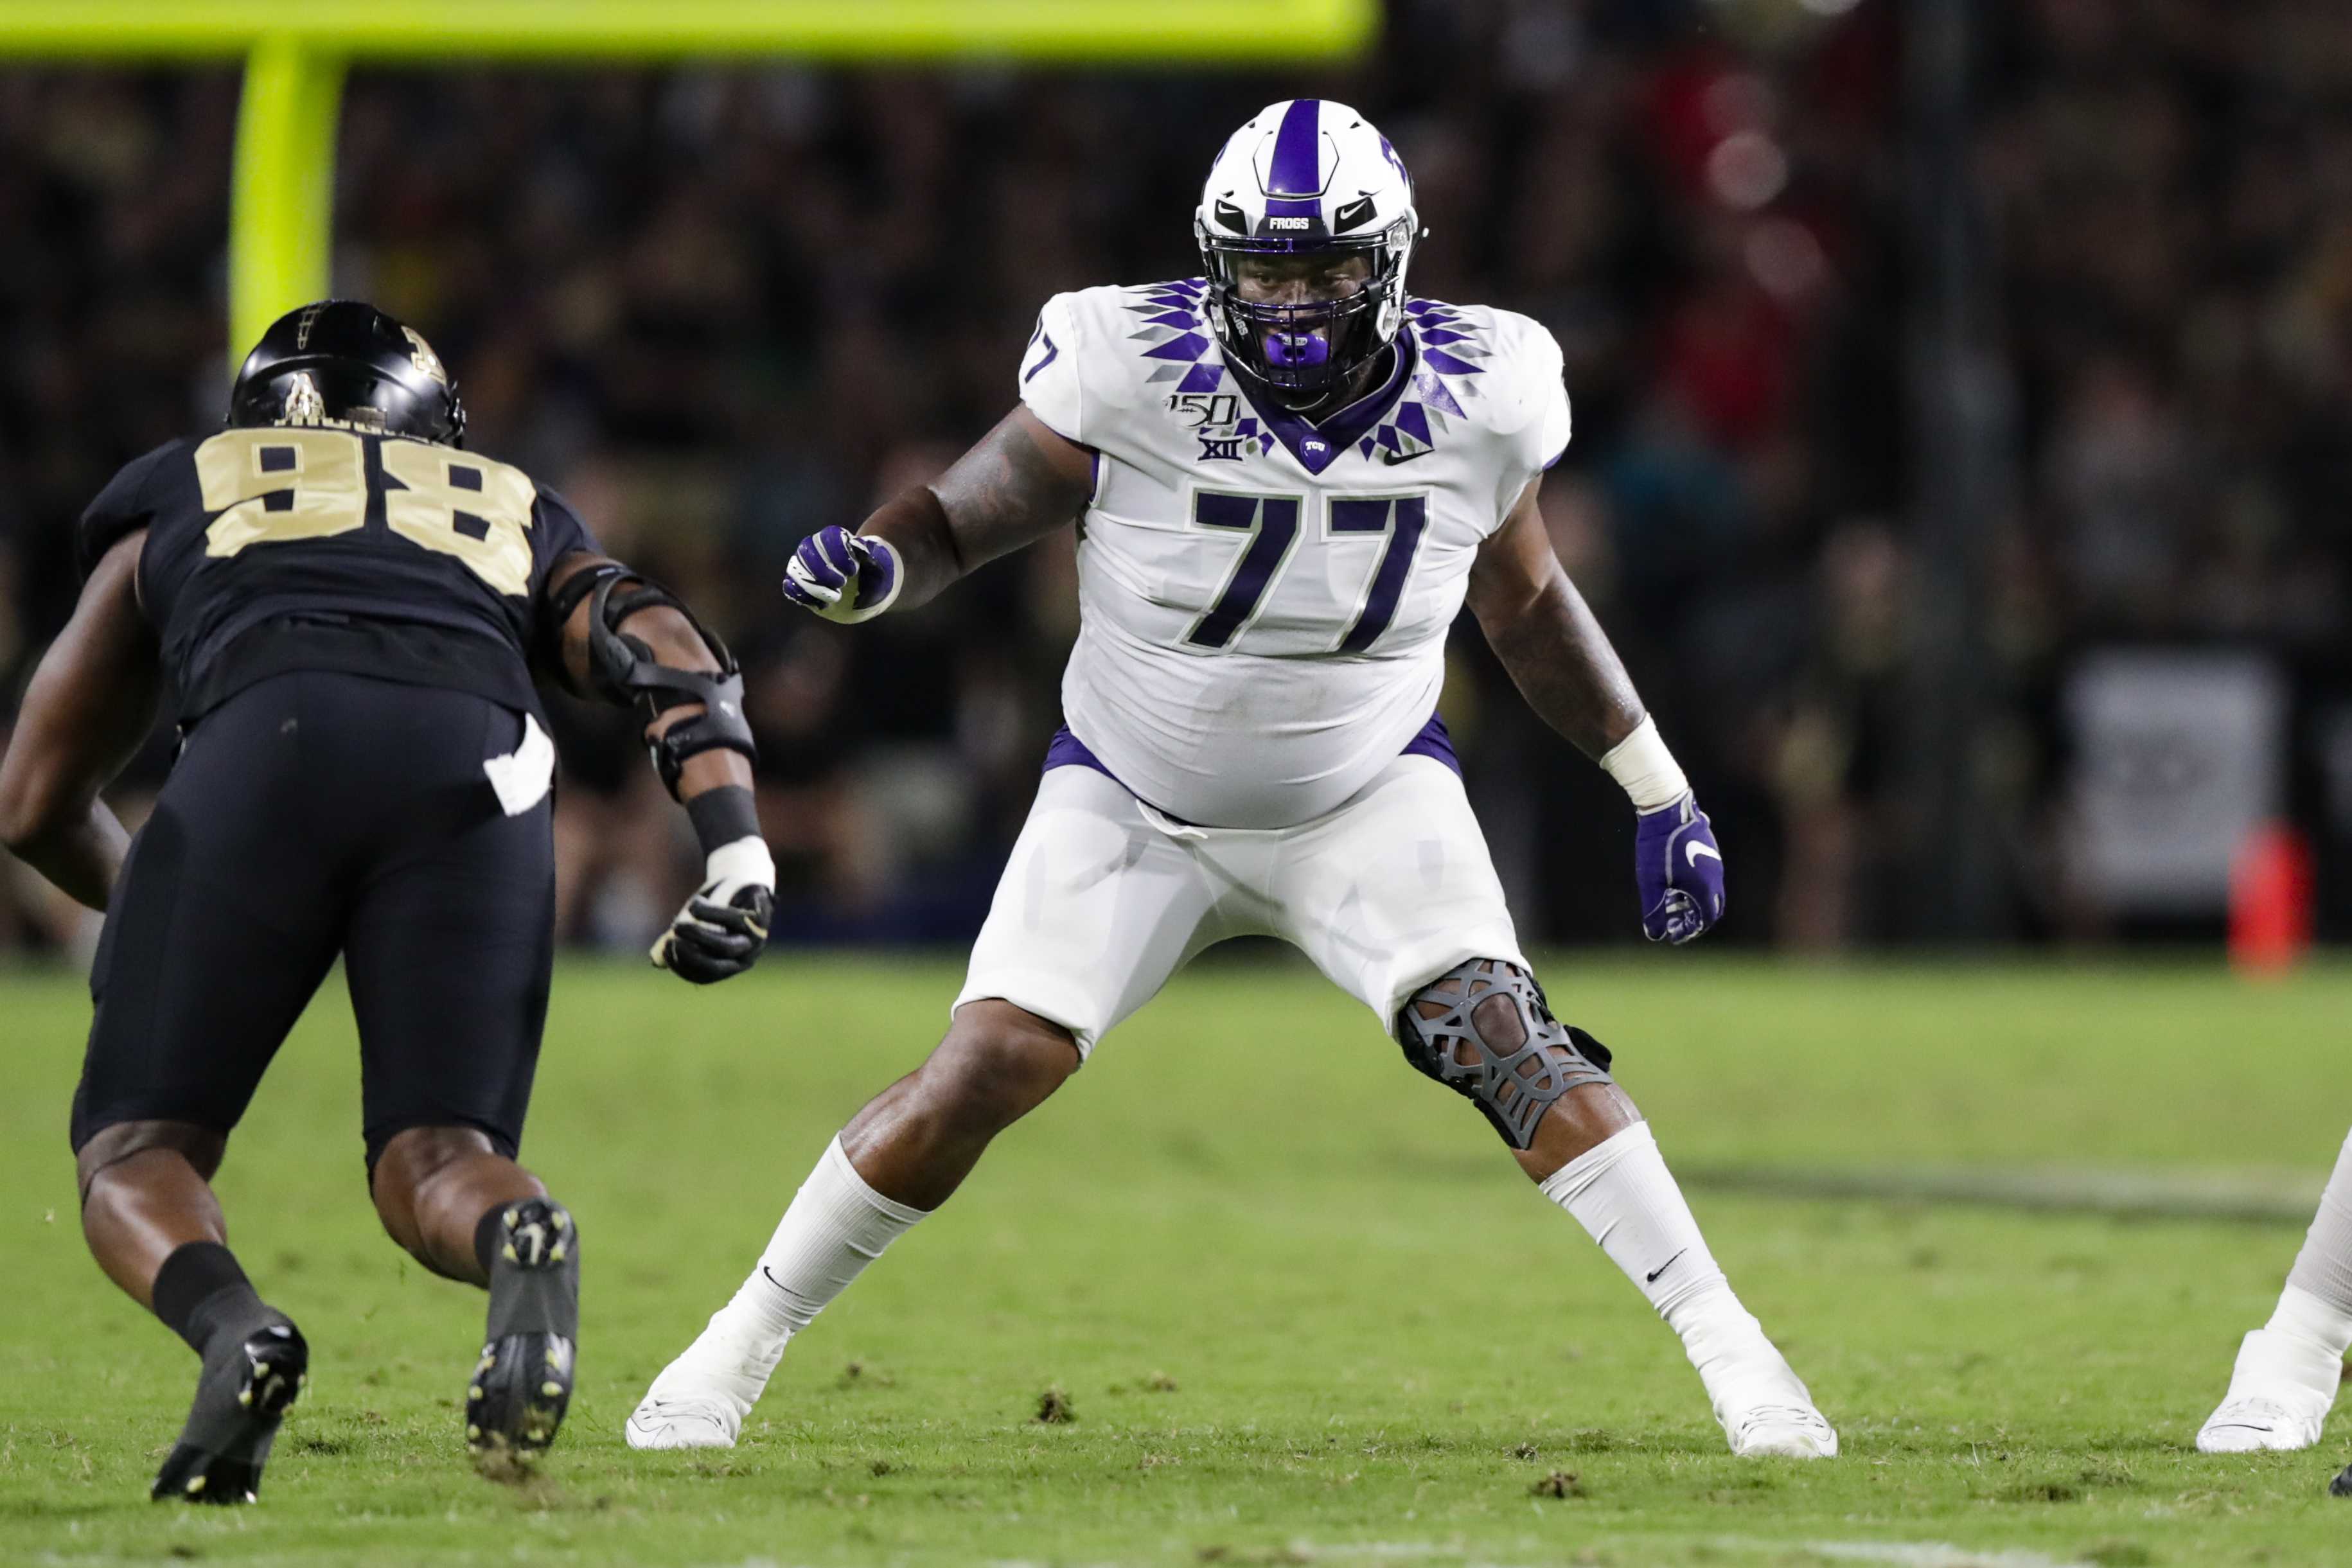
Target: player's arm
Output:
[(1561, 660), (1019, 484), (90, 706), (628, 640)]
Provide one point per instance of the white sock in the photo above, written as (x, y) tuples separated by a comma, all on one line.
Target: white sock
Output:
[(2322, 1274), (2301, 1348), (837, 1225), (1622, 1193), (2303, 1317)]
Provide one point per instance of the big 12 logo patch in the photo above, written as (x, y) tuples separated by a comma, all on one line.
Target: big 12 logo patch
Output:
[(1213, 416)]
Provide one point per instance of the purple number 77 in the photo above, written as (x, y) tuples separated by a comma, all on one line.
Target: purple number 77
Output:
[(1272, 521), (1403, 519)]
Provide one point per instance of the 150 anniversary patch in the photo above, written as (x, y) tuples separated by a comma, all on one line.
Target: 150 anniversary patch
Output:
[(1212, 417)]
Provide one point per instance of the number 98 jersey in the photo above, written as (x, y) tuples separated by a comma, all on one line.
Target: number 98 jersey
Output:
[(1263, 602), (309, 547)]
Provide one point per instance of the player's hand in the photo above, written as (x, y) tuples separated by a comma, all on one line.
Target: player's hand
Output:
[(721, 931), (1679, 869), (843, 575)]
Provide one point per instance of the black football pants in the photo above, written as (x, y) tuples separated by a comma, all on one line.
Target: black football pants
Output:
[(309, 815)]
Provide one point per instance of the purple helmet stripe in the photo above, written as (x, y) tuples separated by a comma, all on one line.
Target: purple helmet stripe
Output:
[(1296, 169)]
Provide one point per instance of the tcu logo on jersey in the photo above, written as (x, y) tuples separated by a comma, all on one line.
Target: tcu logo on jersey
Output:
[(1213, 416)]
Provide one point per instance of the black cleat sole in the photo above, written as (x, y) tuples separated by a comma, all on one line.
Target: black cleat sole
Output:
[(240, 1399), (2342, 1485), (521, 1387), (523, 1384)]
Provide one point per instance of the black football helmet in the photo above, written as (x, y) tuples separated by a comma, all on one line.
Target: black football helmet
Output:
[(344, 360)]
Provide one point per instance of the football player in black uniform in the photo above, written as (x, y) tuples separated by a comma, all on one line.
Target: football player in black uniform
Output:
[(349, 609)]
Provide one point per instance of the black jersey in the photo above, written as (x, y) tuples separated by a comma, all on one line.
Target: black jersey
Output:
[(289, 548)]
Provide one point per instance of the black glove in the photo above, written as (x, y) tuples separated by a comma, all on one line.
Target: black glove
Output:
[(723, 927)]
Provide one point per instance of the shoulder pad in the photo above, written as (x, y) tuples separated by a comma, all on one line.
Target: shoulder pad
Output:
[(128, 504), (1101, 353), (1497, 369)]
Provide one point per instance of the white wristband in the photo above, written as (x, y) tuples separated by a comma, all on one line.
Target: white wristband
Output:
[(1645, 769), (745, 862)]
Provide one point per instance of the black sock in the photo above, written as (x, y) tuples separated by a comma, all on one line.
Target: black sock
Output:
[(200, 1291), (490, 1235)]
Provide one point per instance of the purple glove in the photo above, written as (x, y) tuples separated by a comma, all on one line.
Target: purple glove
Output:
[(1679, 869), (843, 575)]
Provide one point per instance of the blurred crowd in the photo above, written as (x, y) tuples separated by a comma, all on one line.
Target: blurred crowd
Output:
[(721, 307)]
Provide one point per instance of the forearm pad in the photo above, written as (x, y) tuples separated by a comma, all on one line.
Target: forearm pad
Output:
[(624, 671)]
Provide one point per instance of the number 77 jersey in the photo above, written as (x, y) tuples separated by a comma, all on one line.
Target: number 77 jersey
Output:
[(1264, 601)]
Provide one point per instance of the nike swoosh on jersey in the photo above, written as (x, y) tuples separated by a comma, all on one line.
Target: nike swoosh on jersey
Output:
[(1692, 851), (1393, 458)]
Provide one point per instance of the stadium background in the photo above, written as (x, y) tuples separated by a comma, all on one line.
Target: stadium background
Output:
[(723, 307)]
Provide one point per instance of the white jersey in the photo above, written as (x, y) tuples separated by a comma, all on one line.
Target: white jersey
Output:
[(1263, 601)]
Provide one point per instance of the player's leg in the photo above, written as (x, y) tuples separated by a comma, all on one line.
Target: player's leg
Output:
[(921, 1136), (465, 1210), (450, 954), (1395, 898), (1484, 1030), (218, 933), (2288, 1371), (152, 1222), (1096, 909)]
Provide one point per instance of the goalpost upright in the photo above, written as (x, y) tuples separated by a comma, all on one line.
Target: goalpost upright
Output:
[(281, 217)]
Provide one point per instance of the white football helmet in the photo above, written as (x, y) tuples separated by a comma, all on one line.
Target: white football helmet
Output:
[(1307, 176)]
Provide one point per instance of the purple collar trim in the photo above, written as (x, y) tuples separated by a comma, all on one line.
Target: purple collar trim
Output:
[(1318, 446)]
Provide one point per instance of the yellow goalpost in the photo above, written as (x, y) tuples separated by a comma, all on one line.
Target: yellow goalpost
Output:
[(296, 51)]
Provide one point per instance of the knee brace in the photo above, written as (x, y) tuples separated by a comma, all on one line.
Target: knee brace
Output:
[(1459, 1029)]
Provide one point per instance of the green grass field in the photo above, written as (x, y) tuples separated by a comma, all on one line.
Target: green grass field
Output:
[(1301, 1305)]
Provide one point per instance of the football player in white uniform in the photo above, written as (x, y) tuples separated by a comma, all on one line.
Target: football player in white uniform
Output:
[(1288, 478)]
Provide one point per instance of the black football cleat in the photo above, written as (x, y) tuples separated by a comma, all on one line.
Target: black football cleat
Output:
[(241, 1395), (523, 1384), (2342, 1485)]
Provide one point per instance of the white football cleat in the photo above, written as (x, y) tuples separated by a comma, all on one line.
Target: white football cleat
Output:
[(2253, 1424), (1782, 1431), (688, 1421), (700, 1399), (2280, 1394), (1766, 1409)]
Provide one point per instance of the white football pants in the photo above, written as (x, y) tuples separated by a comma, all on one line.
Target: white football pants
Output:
[(1104, 898)]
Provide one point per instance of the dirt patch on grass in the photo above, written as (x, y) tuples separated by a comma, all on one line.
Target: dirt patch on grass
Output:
[(1559, 1483), (2040, 1491)]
